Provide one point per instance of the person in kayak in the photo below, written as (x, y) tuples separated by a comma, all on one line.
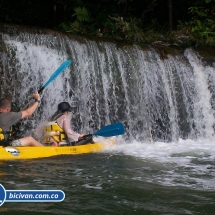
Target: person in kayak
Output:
[(59, 132), (8, 119)]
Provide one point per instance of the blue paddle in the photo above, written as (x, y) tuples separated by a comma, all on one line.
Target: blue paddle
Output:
[(62, 67), (109, 130)]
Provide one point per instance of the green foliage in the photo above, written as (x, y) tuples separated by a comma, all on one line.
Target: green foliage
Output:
[(78, 26), (119, 28), (208, 1), (82, 14), (202, 25), (134, 20), (114, 27)]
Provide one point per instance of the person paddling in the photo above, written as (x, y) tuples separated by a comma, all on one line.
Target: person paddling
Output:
[(58, 130), (8, 119)]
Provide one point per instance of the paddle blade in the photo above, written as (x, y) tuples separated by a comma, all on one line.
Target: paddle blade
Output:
[(62, 67), (111, 130)]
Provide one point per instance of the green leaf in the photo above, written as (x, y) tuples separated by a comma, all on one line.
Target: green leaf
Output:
[(82, 14), (199, 23)]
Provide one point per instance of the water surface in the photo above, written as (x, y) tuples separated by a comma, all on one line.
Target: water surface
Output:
[(129, 178)]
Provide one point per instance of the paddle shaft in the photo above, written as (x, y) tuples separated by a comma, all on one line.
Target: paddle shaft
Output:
[(41, 90), (61, 68)]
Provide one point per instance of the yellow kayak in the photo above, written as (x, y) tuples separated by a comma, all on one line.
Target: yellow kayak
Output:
[(109, 132), (17, 153)]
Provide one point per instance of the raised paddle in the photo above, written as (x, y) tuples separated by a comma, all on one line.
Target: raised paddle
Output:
[(62, 67), (109, 130)]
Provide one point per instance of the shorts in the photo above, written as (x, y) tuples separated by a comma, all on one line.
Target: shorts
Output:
[(16, 143)]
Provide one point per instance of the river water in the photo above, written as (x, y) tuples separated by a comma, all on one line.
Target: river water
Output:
[(129, 178), (164, 164)]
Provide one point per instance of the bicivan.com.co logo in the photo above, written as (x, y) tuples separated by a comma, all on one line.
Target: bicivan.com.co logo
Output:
[(30, 195), (2, 195)]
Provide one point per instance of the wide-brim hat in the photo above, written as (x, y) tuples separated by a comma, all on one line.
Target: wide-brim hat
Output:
[(64, 106)]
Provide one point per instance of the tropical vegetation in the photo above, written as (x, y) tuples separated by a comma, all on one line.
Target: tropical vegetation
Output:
[(184, 22)]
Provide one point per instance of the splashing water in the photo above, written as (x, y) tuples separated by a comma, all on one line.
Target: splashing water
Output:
[(165, 102)]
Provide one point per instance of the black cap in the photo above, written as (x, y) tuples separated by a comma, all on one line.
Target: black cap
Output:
[(64, 106)]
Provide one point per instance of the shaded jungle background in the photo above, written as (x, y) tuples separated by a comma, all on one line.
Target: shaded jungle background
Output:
[(177, 22)]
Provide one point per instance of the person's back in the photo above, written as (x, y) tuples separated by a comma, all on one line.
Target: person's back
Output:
[(6, 122), (61, 118), (8, 119)]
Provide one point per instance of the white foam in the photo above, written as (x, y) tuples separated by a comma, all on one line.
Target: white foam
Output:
[(187, 163)]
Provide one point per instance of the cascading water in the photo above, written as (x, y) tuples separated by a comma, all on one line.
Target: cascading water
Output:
[(165, 97), (157, 99)]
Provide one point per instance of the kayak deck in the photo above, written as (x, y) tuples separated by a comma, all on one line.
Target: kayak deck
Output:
[(17, 153)]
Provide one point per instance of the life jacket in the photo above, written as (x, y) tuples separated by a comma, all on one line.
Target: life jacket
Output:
[(54, 133), (5, 137)]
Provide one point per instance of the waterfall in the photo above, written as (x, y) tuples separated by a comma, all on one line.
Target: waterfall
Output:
[(158, 97)]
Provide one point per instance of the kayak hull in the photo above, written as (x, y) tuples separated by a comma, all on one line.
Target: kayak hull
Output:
[(18, 153)]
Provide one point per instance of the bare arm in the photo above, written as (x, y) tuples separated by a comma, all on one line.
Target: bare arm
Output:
[(30, 110), (64, 122)]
